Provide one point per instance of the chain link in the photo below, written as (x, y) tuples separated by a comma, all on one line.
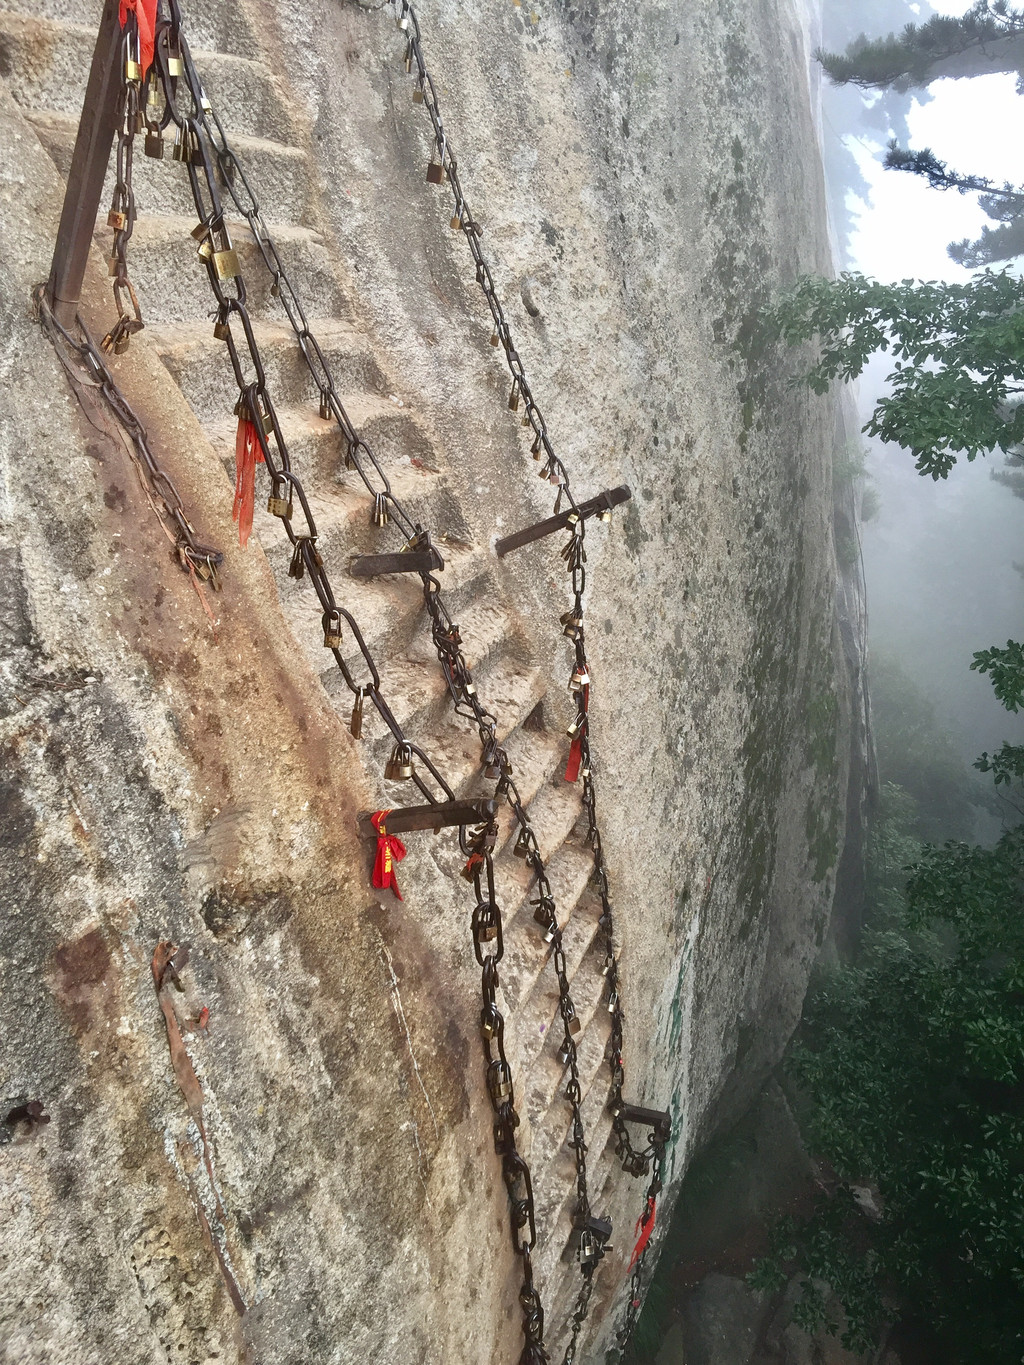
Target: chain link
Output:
[(122, 213), (444, 167), (83, 361), (212, 164)]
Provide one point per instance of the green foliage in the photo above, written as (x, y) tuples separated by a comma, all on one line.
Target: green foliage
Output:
[(1007, 766), (958, 351), (913, 1060), (907, 59), (994, 244), (1006, 668), (925, 163)]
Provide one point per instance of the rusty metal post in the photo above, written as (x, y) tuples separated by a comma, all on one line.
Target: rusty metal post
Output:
[(88, 169)]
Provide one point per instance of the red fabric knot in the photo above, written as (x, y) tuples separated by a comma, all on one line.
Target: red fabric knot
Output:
[(645, 1226), (145, 16), (389, 852), (248, 454)]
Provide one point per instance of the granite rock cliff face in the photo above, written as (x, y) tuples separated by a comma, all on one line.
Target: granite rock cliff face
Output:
[(311, 1177)]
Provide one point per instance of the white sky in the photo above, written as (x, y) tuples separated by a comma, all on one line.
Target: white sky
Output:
[(937, 558), (974, 126)]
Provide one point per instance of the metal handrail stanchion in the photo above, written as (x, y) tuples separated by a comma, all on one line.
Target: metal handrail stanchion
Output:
[(88, 169)]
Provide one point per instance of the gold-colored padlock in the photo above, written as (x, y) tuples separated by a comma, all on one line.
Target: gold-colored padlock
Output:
[(579, 680), (380, 509), (175, 66), (279, 507), (513, 398), (332, 630), (605, 514), (132, 70), (417, 94), (117, 220), (225, 264), (456, 223), (113, 265), (205, 251), (221, 330), (326, 412), (121, 344), (495, 339), (436, 174), (399, 766), (182, 149)]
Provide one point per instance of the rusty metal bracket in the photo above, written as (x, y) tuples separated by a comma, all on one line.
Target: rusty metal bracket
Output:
[(404, 820), (604, 502), (405, 561), (88, 168)]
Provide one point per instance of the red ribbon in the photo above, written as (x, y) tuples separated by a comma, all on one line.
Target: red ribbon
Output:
[(248, 454), (646, 1223), (572, 768), (145, 16), (389, 851)]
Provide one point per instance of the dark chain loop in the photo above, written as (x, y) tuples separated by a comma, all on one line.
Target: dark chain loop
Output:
[(444, 166), (458, 677), (83, 361), (211, 163), (122, 213)]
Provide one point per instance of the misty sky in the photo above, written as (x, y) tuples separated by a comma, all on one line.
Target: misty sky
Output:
[(938, 559)]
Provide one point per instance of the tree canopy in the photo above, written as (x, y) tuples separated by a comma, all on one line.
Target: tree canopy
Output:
[(913, 1061), (958, 357), (908, 58)]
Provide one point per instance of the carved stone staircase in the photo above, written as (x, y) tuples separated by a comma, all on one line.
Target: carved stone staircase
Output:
[(44, 57)]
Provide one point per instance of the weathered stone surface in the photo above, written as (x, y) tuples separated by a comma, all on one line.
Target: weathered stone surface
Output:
[(644, 177)]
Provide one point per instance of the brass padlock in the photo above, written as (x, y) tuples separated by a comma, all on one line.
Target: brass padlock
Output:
[(205, 251), (154, 144), (456, 223), (399, 766), (380, 509), (436, 173), (326, 411), (113, 265), (117, 220), (182, 149), (417, 94), (574, 1024), (573, 729), (175, 65), (579, 680), (221, 330), (513, 398), (225, 264), (355, 725), (537, 448), (605, 514), (495, 339), (279, 507), (132, 70), (332, 629)]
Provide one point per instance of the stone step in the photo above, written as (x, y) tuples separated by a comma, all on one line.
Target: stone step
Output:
[(215, 27), (279, 174), (568, 871), (544, 1096), (555, 1263), (198, 363), (46, 65), (172, 281), (317, 450)]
